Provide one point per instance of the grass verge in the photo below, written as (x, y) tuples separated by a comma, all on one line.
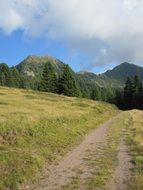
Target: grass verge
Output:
[(37, 127), (135, 142), (104, 164)]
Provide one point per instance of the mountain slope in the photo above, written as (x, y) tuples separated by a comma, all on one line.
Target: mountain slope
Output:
[(100, 80), (114, 78), (124, 70), (90, 83), (33, 65)]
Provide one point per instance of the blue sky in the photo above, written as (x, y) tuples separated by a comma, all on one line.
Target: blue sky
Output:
[(16, 47), (78, 32)]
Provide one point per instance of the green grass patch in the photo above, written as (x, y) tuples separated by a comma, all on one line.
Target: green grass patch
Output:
[(135, 142), (37, 127), (105, 163)]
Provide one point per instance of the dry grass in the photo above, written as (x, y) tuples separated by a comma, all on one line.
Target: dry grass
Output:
[(37, 127), (135, 141), (105, 164)]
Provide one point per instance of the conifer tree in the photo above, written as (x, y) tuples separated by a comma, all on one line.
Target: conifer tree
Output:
[(5, 75), (67, 84), (136, 84), (94, 94), (16, 78), (132, 95), (48, 81), (118, 99), (140, 96), (128, 94)]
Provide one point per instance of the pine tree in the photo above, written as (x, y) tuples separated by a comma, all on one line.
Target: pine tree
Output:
[(48, 81), (16, 78), (23, 82), (140, 96), (128, 94), (136, 86), (67, 84), (94, 94), (118, 99), (5, 75)]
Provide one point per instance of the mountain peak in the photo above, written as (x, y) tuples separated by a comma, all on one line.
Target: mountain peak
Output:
[(125, 64), (35, 64), (38, 59), (124, 70)]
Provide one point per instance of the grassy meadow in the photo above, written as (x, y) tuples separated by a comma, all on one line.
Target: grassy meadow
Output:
[(36, 128), (135, 142), (107, 161)]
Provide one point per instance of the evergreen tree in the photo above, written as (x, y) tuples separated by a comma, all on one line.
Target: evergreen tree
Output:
[(137, 93), (16, 78), (128, 94), (94, 94), (140, 96), (67, 84), (48, 81), (132, 95), (5, 75), (23, 82), (137, 88), (119, 99)]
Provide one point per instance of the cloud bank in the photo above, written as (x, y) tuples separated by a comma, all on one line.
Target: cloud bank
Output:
[(109, 31)]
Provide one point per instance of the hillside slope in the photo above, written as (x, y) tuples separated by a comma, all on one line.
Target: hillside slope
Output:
[(32, 68), (100, 80), (114, 78), (37, 127), (124, 70), (33, 65)]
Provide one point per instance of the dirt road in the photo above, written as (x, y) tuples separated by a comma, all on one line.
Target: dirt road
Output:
[(119, 179), (72, 171)]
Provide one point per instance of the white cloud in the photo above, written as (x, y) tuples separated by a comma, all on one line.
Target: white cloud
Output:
[(108, 30), (9, 18)]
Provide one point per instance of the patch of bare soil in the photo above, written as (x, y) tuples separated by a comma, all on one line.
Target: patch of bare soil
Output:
[(122, 173), (74, 169)]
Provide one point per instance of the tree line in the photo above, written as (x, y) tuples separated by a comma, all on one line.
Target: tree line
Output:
[(50, 82), (64, 84), (70, 85), (131, 97), (67, 83), (11, 77)]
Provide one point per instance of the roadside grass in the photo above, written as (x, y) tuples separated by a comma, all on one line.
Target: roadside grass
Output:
[(36, 128), (104, 164), (135, 142)]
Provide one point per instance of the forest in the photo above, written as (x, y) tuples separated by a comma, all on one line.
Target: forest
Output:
[(67, 83)]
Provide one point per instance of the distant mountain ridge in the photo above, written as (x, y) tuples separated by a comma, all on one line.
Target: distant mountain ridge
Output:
[(28, 75), (115, 77), (124, 70), (33, 66)]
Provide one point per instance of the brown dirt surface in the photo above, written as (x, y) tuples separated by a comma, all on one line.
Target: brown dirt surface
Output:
[(71, 171), (122, 173)]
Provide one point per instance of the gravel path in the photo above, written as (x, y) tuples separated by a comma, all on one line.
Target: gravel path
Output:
[(72, 171), (122, 172)]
